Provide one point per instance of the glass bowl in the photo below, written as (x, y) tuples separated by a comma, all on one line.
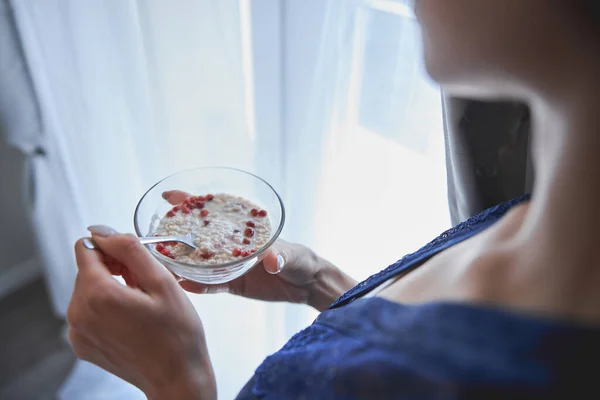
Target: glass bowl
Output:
[(152, 207)]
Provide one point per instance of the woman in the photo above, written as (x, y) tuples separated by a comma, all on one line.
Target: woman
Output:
[(503, 305)]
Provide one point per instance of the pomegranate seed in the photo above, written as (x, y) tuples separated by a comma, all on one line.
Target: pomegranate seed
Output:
[(245, 253), (254, 212), (249, 232), (250, 224), (165, 252), (206, 222), (200, 198), (203, 213), (236, 252), (252, 251), (246, 241), (206, 255), (236, 231), (185, 210), (209, 197), (176, 208), (170, 214), (262, 213), (199, 204), (160, 247)]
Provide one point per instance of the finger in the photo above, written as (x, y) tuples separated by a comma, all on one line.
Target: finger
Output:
[(113, 265), (175, 196), (128, 278), (274, 261), (201, 288), (148, 273), (115, 268), (108, 259), (90, 263)]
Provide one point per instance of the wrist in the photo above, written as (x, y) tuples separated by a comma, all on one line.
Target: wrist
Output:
[(194, 385), (330, 283)]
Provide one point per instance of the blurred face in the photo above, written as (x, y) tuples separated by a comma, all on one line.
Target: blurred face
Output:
[(479, 46)]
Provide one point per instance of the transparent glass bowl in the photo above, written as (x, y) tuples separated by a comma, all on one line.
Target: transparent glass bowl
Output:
[(200, 181)]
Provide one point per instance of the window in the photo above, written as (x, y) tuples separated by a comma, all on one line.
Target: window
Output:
[(384, 185)]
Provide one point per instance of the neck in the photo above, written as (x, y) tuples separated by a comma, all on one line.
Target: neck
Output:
[(564, 216)]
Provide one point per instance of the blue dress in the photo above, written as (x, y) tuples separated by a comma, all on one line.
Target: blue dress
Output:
[(371, 348)]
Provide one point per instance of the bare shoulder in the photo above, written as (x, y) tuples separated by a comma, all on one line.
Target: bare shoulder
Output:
[(494, 268)]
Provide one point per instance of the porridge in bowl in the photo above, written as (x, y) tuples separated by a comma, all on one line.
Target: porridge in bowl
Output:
[(226, 228)]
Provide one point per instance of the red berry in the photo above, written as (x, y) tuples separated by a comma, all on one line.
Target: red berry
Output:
[(206, 255), (199, 204), (170, 214), (165, 252), (254, 212), (209, 197), (236, 252), (203, 213), (236, 231), (252, 251), (250, 224), (245, 253), (246, 241), (262, 213), (249, 232), (206, 222)]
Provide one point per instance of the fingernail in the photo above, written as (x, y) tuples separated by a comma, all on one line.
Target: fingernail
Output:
[(165, 195), (89, 244), (280, 262), (102, 230)]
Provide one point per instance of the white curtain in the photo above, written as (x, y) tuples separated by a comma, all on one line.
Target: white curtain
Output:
[(130, 91)]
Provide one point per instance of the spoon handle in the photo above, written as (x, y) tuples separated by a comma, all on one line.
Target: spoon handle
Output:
[(159, 239), (90, 244)]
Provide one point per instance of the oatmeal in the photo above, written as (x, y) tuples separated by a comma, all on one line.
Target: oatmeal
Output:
[(225, 227)]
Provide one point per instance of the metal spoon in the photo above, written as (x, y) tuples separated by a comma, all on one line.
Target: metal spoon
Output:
[(188, 240)]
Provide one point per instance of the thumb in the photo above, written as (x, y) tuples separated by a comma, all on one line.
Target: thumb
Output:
[(274, 261), (149, 274)]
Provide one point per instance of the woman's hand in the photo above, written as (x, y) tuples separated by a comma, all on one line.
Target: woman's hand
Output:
[(148, 332), (289, 272)]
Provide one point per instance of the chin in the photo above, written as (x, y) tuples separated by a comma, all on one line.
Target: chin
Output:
[(459, 80)]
